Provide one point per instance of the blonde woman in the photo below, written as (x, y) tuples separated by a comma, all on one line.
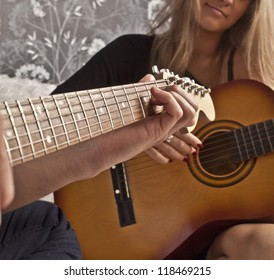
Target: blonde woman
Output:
[(211, 41)]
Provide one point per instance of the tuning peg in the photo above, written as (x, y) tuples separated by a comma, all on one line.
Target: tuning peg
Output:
[(155, 69), (165, 71)]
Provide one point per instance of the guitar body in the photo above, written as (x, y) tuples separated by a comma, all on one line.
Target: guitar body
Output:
[(179, 207)]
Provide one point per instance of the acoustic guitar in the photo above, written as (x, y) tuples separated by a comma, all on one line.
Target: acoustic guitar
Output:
[(176, 210), (43, 125)]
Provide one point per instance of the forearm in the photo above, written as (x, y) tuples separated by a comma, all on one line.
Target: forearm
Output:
[(47, 174), (39, 177)]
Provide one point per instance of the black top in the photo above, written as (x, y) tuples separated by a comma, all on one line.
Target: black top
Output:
[(124, 61)]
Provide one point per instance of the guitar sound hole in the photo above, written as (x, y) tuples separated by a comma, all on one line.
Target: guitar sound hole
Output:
[(216, 157), (219, 162)]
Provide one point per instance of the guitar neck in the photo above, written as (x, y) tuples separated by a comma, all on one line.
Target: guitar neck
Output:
[(253, 140), (39, 126)]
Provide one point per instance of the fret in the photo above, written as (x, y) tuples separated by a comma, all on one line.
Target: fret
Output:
[(73, 117), (40, 131), (56, 126), (18, 146), (138, 90), (100, 110), (32, 126), (85, 114), (112, 97), (133, 101), (249, 129), (128, 101), (29, 140), (79, 117), (107, 108), (238, 144), (118, 105), (242, 143), (96, 112), (140, 101), (247, 141), (123, 105), (67, 120), (48, 132), (62, 120), (260, 139), (254, 140), (271, 127), (268, 137)]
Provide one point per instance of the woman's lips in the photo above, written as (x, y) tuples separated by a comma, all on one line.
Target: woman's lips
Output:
[(215, 10)]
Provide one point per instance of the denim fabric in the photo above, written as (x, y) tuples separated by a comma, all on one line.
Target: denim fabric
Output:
[(38, 231)]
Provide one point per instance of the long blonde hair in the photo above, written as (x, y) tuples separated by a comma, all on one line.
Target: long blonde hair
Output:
[(252, 36)]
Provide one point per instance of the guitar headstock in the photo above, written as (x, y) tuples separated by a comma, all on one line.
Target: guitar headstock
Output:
[(198, 92)]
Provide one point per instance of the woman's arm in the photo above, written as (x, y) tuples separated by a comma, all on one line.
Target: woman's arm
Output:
[(47, 174)]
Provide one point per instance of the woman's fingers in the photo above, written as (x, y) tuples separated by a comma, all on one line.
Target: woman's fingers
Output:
[(179, 148)]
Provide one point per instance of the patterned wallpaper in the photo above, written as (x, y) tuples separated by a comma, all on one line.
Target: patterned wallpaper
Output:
[(48, 40)]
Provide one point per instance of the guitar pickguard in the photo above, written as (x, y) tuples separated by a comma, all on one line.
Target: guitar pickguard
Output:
[(122, 195)]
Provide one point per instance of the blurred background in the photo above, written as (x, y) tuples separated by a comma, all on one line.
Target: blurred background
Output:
[(49, 40)]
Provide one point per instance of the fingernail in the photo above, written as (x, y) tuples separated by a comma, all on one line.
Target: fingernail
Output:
[(185, 159), (200, 146), (194, 153)]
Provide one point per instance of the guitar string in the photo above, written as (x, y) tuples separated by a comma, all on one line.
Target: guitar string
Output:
[(30, 113), (85, 136), (152, 163), (204, 162), (53, 109), (23, 125), (100, 92), (217, 158), (60, 135), (60, 125), (82, 119), (143, 161), (218, 149), (271, 121), (149, 163), (243, 145), (266, 131), (219, 155)]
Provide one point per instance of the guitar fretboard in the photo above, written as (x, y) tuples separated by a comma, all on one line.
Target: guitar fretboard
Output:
[(254, 140), (39, 126), (43, 125)]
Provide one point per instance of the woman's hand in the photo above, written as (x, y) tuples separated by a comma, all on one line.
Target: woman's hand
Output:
[(179, 147), (179, 144), (178, 111)]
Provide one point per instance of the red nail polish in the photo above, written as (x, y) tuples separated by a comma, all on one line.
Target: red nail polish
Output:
[(194, 153), (200, 146), (185, 159)]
